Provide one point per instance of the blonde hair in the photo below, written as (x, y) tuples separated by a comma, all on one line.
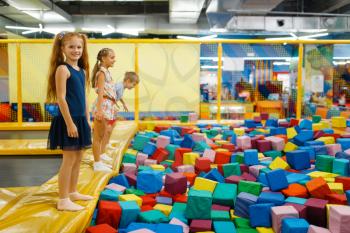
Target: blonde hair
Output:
[(57, 59), (102, 53), (131, 76)]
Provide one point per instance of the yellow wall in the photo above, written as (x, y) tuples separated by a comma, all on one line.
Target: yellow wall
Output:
[(169, 74), (4, 61), (169, 77)]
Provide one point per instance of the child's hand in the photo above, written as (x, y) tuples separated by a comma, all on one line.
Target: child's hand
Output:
[(72, 131), (99, 115), (125, 108)]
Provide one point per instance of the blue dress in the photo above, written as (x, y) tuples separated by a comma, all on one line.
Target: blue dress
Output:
[(75, 97)]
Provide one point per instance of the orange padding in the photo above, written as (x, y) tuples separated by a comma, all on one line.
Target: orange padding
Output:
[(33, 209)]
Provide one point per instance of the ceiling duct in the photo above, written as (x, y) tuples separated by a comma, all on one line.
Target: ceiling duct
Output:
[(220, 12), (184, 11)]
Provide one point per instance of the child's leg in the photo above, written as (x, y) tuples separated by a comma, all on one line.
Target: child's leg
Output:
[(107, 136), (98, 133), (73, 193), (64, 179)]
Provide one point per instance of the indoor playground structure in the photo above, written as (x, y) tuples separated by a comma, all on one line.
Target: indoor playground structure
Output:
[(239, 122), (222, 135)]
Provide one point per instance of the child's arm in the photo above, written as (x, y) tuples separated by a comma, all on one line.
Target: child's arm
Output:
[(124, 105), (100, 88), (61, 76)]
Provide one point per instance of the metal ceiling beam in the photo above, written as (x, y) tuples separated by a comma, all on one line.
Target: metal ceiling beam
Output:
[(336, 5)]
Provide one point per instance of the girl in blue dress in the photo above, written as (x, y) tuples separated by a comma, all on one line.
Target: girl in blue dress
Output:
[(70, 129)]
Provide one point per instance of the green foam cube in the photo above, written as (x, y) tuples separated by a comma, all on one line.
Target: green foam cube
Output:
[(324, 163), (242, 223), (152, 216), (201, 146), (220, 215), (231, 169), (225, 194), (249, 187), (198, 204), (171, 149), (341, 167)]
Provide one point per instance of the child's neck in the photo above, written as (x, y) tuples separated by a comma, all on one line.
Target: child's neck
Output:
[(104, 66), (72, 63)]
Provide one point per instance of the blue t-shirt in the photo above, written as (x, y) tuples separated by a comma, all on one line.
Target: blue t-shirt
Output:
[(119, 90)]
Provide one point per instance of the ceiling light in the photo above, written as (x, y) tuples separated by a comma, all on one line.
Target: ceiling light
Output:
[(314, 35), (197, 38), (218, 29), (41, 29)]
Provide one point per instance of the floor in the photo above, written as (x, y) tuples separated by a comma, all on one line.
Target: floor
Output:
[(27, 170)]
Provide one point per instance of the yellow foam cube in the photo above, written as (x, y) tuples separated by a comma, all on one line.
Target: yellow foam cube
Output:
[(264, 230), (317, 126), (339, 122), (221, 150), (157, 167), (150, 126), (326, 140), (255, 114), (265, 131), (278, 163), (290, 147), (316, 174), (166, 209), (261, 155), (190, 158), (213, 166), (130, 197), (291, 132), (239, 131), (204, 184), (336, 187), (221, 142), (131, 152), (329, 179), (325, 124)]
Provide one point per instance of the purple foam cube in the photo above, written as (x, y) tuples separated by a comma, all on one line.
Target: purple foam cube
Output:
[(316, 211), (175, 183), (200, 225), (263, 145)]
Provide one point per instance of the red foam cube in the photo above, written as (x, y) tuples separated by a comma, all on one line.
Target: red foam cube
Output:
[(202, 164), (109, 212), (160, 155), (222, 157), (101, 228), (345, 181)]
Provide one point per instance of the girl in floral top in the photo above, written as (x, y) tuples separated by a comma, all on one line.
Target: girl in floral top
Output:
[(104, 108)]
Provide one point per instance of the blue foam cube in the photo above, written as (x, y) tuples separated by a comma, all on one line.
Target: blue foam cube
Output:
[(341, 167), (296, 177), (303, 136), (149, 148), (224, 227), (278, 130), (294, 225), (164, 227), (305, 124), (140, 141), (348, 196), (110, 195), (243, 201), (251, 157), (296, 200), (272, 198), (171, 133), (342, 155), (178, 141), (260, 215), (328, 131), (130, 211), (320, 150), (164, 200), (277, 179), (249, 123), (344, 142), (227, 133), (215, 175), (149, 181), (233, 139), (298, 159), (271, 122), (309, 150), (314, 143), (188, 142), (262, 179), (121, 180), (137, 226)]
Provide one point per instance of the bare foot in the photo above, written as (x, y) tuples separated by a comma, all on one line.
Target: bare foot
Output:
[(67, 205), (80, 197)]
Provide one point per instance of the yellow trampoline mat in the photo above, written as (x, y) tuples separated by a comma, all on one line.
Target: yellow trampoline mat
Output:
[(33, 209)]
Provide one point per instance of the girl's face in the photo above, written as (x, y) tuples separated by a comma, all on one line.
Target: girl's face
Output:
[(109, 60), (73, 48)]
